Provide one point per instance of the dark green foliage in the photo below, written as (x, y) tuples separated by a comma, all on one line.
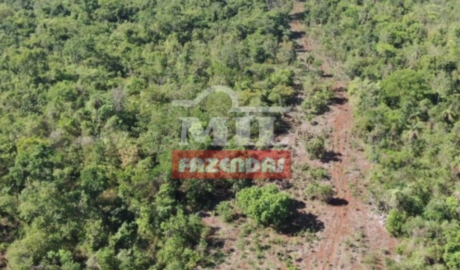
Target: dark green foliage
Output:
[(452, 249), (93, 180), (88, 127), (404, 87), (266, 205), (405, 93), (395, 222), (440, 210)]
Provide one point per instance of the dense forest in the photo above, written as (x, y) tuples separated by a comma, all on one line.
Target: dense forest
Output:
[(87, 126), (404, 61)]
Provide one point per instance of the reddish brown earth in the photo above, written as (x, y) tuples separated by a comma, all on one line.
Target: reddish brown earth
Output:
[(350, 215)]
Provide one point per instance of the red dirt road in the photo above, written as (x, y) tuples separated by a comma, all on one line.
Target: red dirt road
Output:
[(349, 216)]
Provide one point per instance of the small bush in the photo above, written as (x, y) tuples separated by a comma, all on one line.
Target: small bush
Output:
[(395, 222), (322, 192), (316, 147), (319, 173), (317, 102), (225, 210), (371, 261)]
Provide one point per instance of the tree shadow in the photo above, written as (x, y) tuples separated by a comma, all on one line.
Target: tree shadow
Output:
[(203, 214), (299, 48), (215, 258), (215, 243), (296, 100), (297, 205), (299, 16), (340, 89), (331, 156), (300, 221), (337, 202), (283, 125), (297, 34), (222, 191), (338, 101), (326, 75)]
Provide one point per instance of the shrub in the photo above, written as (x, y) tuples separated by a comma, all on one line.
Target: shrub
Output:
[(452, 247), (319, 173), (225, 210), (317, 102), (322, 192), (266, 205), (316, 147), (395, 222)]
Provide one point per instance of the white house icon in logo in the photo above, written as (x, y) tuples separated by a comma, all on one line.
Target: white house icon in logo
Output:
[(218, 125)]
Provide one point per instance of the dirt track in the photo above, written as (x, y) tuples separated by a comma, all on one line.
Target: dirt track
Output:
[(348, 216), (344, 234)]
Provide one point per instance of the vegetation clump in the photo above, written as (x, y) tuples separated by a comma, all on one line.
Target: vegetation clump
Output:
[(318, 191), (266, 205)]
